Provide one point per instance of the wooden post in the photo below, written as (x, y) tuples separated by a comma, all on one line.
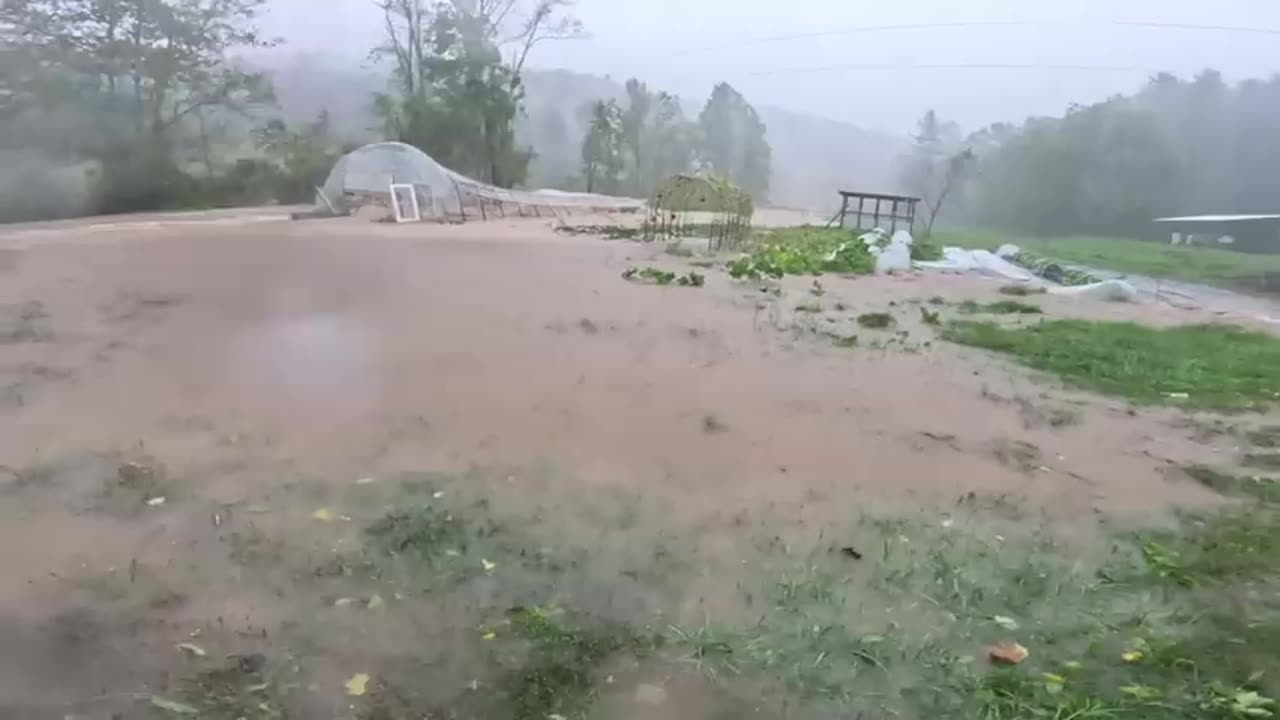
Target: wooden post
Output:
[(861, 200), (893, 223), (483, 215), (876, 222), (844, 208)]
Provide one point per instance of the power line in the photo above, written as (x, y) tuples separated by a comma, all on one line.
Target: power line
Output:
[(902, 27), (954, 66)]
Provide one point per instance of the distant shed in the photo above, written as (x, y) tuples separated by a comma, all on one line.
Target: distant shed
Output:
[(1245, 233)]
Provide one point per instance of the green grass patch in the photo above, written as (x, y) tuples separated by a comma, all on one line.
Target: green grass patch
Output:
[(1212, 367), (809, 307), (1212, 266), (1235, 485), (560, 671), (1021, 290), (999, 307)]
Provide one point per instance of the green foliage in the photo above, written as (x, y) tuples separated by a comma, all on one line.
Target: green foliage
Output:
[(658, 276), (805, 251), (734, 143), (1174, 147), (1262, 488), (1217, 367), (602, 151), (561, 671), (925, 248), (876, 321), (1000, 307)]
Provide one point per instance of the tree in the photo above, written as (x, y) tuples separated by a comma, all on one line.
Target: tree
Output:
[(935, 165), (734, 141), (602, 148), (139, 74), (304, 154), (457, 76)]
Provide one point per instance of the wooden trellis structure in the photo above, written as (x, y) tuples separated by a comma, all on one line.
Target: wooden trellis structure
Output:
[(700, 206), (897, 210)]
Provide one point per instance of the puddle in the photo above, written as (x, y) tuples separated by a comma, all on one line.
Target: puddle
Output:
[(327, 356)]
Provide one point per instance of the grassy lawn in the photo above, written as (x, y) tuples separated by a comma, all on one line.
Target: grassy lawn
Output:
[(1211, 266), (1213, 367)]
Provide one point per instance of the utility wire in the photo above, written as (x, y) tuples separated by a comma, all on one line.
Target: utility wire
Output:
[(868, 29), (954, 66)]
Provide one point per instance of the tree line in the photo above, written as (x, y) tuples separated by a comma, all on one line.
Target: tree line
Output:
[(633, 147), (146, 100), (1173, 147)]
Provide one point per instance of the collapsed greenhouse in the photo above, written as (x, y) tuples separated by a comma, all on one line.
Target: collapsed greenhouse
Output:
[(414, 186)]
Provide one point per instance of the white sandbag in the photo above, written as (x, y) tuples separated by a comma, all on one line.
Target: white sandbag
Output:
[(903, 237), (895, 258), (1107, 291), (1008, 251), (954, 259)]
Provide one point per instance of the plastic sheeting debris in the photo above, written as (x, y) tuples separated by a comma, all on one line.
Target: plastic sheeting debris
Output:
[(1107, 291), (984, 262)]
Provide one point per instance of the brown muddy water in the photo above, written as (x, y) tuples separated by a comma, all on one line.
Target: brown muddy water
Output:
[(245, 465)]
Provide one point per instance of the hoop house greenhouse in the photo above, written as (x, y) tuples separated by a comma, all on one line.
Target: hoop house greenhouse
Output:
[(689, 205), (366, 175)]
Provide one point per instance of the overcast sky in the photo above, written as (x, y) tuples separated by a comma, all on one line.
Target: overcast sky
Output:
[(880, 78)]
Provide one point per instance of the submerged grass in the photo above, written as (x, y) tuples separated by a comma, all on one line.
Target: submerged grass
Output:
[(1213, 367), (804, 251), (1000, 307)]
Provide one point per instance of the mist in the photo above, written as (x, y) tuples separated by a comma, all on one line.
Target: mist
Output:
[(837, 91)]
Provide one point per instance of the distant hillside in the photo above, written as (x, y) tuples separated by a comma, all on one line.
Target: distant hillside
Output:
[(812, 156)]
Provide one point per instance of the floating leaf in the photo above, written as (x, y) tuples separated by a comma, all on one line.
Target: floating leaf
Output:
[(489, 635), (1053, 684), (1141, 692), (358, 684), (324, 515), (1132, 656), (488, 566), (193, 649), (1008, 652), (376, 602), (173, 707), (344, 602)]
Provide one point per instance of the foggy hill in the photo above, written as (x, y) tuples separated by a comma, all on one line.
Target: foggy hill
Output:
[(812, 156)]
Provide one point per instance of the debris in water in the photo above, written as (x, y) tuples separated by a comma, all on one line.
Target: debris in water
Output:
[(192, 649), (1007, 623), (157, 501), (851, 552), (437, 494), (488, 566), (344, 602), (366, 481), (173, 707), (376, 602), (1009, 652), (489, 635), (324, 515), (358, 684)]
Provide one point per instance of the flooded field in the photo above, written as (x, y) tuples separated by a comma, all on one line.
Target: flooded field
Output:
[(351, 470)]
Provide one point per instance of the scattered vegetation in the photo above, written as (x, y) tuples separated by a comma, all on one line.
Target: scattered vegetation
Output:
[(999, 307), (1021, 290), (929, 317), (1212, 367), (611, 232), (804, 251), (876, 320), (809, 307), (656, 276), (561, 667), (925, 248), (1234, 485)]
